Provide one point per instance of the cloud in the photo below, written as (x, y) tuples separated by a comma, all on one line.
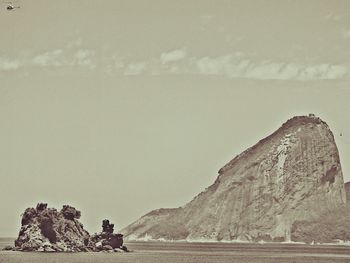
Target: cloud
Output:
[(238, 67), (173, 56), (135, 68), (235, 65), (50, 58), (322, 71), (215, 66), (60, 58), (7, 64), (84, 57)]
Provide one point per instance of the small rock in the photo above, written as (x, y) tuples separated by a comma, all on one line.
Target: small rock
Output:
[(49, 249), (8, 248), (98, 244), (125, 249), (107, 247)]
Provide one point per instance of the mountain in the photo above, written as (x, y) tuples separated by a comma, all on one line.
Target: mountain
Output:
[(293, 174)]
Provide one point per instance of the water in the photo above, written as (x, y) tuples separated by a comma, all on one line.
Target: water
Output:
[(4, 241), (156, 252)]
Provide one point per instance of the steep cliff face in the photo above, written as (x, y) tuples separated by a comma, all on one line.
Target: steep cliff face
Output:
[(293, 174)]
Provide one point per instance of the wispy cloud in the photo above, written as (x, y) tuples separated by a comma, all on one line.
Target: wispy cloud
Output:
[(84, 57), (237, 67), (172, 56), (50, 58), (8, 64), (135, 68)]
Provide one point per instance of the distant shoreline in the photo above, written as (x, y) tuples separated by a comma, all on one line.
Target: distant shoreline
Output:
[(4, 241)]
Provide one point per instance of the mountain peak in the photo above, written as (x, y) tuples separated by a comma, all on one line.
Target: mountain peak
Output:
[(295, 123)]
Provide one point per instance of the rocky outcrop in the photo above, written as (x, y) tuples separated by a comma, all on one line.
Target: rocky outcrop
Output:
[(293, 174), (107, 240), (46, 229)]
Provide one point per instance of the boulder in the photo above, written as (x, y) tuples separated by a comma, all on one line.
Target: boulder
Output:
[(106, 238)]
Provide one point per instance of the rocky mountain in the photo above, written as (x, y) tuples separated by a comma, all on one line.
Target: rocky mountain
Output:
[(49, 230), (293, 174)]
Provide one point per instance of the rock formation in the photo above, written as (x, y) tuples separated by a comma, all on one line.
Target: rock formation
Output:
[(46, 229), (107, 240), (293, 174), (49, 230)]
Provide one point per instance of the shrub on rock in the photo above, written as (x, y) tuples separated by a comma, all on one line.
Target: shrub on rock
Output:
[(70, 212)]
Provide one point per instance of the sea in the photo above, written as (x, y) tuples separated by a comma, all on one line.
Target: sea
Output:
[(173, 252)]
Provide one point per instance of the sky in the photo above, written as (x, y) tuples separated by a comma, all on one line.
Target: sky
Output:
[(122, 107)]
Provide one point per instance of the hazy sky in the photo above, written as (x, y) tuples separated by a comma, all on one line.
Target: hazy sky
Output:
[(121, 107)]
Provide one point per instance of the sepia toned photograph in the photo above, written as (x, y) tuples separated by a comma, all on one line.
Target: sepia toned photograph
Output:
[(174, 131)]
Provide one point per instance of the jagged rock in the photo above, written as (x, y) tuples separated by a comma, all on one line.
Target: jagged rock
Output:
[(293, 174), (107, 240), (107, 227), (46, 229), (41, 206)]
